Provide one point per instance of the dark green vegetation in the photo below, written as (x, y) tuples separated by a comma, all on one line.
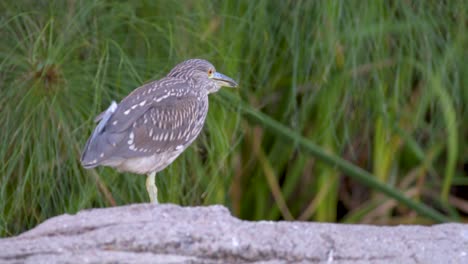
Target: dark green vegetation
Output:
[(348, 111)]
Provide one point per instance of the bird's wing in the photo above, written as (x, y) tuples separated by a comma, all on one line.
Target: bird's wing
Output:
[(170, 125), (152, 119), (167, 118), (143, 98)]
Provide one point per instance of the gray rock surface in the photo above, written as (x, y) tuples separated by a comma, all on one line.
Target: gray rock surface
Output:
[(145, 233)]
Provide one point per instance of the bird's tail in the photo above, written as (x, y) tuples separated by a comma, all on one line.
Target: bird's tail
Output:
[(92, 152)]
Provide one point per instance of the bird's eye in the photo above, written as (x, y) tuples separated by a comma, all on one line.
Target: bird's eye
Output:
[(210, 72)]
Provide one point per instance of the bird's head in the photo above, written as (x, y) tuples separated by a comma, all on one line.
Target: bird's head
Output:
[(203, 73)]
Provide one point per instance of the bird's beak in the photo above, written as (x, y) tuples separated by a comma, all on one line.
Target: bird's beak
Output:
[(223, 80)]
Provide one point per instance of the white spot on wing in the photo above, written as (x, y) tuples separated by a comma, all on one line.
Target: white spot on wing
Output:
[(162, 97), (127, 112), (113, 107)]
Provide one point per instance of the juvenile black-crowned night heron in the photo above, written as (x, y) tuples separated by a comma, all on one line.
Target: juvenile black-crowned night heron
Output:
[(155, 123)]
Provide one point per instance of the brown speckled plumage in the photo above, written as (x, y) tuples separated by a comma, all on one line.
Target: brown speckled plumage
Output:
[(155, 123)]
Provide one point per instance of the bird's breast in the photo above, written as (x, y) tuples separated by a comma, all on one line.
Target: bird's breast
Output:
[(146, 164)]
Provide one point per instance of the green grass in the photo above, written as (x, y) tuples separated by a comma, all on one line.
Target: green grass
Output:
[(347, 111)]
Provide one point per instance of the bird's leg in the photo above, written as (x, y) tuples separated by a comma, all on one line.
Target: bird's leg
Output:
[(151, 187)]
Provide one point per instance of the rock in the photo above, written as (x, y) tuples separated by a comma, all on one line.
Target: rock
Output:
[(147, 233)]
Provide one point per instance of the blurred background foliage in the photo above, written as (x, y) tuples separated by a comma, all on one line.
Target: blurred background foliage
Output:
[(347, 111)]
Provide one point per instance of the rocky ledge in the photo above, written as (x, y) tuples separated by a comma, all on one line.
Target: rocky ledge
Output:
[(145, 233)]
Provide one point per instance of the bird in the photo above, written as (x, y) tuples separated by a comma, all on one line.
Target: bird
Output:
[(155, 123)]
